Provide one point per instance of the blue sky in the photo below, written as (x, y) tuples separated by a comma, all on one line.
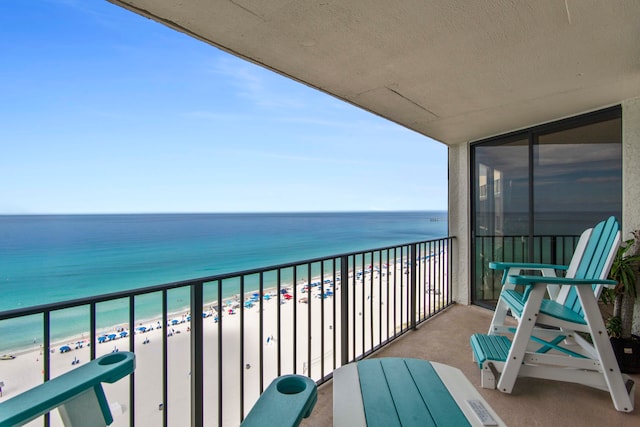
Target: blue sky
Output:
[(104, 111)]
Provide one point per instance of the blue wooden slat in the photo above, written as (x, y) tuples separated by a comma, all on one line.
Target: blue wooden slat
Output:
[(409, 404), (594, 258), (443, 408), (376, 395), (515, 300), (490, 347), (592, 245), (407, 393), (562, 312)]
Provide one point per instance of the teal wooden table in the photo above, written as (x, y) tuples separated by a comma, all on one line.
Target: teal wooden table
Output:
[(390, 392)]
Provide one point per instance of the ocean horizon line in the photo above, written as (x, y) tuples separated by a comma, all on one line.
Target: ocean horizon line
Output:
[(223, 212)]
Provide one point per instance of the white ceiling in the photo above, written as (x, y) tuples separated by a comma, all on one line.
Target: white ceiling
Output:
[(454, 70)]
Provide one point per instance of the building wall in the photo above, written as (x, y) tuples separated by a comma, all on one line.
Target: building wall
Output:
[(631, 178), (459, 221)]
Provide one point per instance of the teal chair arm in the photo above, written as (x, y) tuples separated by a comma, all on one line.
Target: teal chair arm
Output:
[(78, 394), (498, 265), (531, 280), (507, 266), (286, 401)]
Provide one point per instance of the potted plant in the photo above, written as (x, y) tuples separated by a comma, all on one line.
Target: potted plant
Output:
[(625, 270)]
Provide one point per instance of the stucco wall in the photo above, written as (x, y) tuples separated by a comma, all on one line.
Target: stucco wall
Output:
[(631, 179), (459, 220)]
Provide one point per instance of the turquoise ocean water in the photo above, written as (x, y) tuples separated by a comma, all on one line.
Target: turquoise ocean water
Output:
[(52, 258)]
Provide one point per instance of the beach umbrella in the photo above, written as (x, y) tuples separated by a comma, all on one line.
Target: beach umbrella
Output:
[(123, 334), (102, 339), (142, 329), (267, 297), (65, 348), (111, 336)]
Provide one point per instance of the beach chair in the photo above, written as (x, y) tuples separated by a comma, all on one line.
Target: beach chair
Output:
[(511, 300), (560, 334), (77, 394)]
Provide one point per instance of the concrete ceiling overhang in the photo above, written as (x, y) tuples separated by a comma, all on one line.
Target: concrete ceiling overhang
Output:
[(454, 70)]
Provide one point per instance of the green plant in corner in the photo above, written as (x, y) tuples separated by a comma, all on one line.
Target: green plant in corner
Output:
[(614, 327), (624, 270)]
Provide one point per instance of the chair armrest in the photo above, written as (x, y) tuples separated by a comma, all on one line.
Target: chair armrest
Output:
[(496, 265), (509, 267), (284, 403), (70, 392), (532, 280)]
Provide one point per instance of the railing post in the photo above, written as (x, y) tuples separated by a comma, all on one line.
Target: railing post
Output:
[(413, 297), (344, 310), (197, 370), (132, 377), (46, 355), (553, 251)]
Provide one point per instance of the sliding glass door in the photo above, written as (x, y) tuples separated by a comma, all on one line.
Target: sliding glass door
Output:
[(535, 191)]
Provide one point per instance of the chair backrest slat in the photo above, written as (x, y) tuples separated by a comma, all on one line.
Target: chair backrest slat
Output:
[(596, 259)]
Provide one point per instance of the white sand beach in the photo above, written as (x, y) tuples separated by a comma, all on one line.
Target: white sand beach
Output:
[(370, 301)]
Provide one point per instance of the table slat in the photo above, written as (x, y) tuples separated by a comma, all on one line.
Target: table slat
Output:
[(442, 406), (409, 404), (377, 399)]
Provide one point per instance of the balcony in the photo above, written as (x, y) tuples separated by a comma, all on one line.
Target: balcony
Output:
[(201, 362)]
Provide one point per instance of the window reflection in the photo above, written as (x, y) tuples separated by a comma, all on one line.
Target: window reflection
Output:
[(577, 177), (502, 205)]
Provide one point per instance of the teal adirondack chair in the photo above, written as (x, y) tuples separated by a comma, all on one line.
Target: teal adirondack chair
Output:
[(512, 301), (550, 311), (77, 394)]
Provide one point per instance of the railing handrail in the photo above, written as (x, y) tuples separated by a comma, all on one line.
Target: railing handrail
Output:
[(36, 309)]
